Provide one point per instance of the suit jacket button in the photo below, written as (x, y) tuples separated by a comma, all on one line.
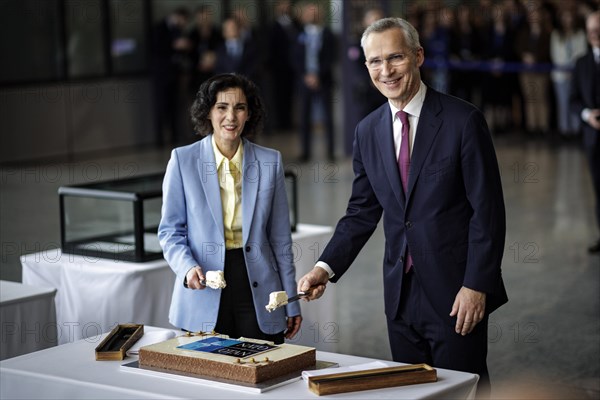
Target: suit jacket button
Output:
[(255, 284), (408, 224), (402, 259), (248, 249)]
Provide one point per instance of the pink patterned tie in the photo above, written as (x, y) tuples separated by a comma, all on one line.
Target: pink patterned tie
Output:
[(404, 166)]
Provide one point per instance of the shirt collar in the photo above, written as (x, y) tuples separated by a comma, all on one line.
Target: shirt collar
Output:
[(237, 157), (414, 106), (312, 29)]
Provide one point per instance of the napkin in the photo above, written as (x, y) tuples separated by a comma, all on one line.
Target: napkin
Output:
[(351, 368), (150, 338)]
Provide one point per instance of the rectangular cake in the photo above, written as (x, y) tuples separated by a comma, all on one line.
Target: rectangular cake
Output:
[(267, 364)]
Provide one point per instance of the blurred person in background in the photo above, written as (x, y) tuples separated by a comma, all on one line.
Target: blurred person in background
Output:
[(567, 44), (585, 101), (170, 50), (465, 47), (282, 34), (365, 96), (435, 33), (244, 17), (314, 58), (499, 86), (205, 38), (533, 49), (236, 54)]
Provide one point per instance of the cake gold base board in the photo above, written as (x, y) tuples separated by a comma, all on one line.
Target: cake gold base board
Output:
[(133, 367)]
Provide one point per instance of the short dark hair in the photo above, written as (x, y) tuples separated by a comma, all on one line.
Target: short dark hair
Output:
[(182, 12), (207, 97)]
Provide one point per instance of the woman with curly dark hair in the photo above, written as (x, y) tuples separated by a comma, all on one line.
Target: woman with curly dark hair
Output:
[(206, 98), (225, 211)]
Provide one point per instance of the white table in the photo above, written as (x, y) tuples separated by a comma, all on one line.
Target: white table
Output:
[(96, 294), (27, 319), (35, 376)]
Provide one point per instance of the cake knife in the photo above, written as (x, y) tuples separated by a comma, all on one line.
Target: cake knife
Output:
[(298, 296)]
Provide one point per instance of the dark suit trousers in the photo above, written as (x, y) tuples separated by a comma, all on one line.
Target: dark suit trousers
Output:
[(307, 98), (237, 316), (594, 160), (419, 335)]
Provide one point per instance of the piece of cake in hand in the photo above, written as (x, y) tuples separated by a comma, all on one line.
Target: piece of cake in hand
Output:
[(215, 279), (276, 300)]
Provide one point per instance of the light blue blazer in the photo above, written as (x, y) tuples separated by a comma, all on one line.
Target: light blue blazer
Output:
[(191, 233)]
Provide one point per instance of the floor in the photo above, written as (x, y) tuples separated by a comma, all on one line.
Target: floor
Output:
[(545, 343)]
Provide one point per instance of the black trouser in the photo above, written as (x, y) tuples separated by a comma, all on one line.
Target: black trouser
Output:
[(594, 161), (237, 315), (419, 335), (307, 99)]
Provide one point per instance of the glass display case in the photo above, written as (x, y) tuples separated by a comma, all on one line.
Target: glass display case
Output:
[(119, 219), (114, 219)]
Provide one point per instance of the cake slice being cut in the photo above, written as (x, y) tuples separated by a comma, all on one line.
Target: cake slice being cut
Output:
[(276, 300), (197, 357)]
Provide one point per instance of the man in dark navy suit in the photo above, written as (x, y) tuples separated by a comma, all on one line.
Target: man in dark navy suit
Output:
[(585, 101), (425, 161)]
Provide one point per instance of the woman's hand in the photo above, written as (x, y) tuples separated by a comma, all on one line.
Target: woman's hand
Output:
[(293, 326), (195, 278)]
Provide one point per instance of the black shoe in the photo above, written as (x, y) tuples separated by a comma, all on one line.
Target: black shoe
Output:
[(595, 248)]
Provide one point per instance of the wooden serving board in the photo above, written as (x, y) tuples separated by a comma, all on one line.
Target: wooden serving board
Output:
[(371, 379), (118, 341)]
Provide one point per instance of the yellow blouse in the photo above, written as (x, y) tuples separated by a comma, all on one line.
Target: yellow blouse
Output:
[(230, 182)]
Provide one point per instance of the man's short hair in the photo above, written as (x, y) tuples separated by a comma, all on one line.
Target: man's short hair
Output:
[(382, 25)]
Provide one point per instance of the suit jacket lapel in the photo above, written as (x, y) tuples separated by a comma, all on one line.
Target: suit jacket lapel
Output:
[(385, 141), (251, 177), (209, 179), (427, 130)]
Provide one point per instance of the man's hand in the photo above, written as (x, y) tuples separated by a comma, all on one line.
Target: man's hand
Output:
[(312, 81), (594, 118), (293, 326), (469, 309), (195, 278), (316, 277)]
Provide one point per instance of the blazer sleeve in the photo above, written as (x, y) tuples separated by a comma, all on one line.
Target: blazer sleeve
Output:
[(358, 224), (172, 230), (580, 81), (279, 233), (483, 188)]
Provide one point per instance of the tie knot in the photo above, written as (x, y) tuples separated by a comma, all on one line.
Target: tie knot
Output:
[(403, 117)]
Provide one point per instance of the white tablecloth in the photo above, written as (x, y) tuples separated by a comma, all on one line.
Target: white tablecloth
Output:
[(35, 376), (96, 294), (27, 319)]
